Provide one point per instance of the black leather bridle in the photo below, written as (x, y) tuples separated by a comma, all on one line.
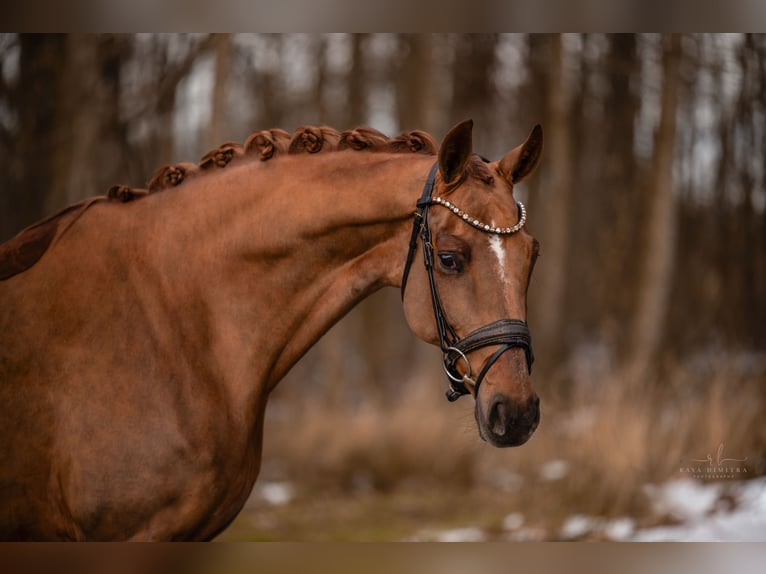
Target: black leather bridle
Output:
[(504, 333)]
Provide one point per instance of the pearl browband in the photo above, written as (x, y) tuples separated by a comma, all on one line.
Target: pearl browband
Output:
[(484, 226)]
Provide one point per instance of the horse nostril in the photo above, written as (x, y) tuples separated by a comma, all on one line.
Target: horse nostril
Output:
[(498, 418), (509, 424)]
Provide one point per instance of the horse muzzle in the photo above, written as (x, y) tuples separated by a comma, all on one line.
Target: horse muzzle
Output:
[(505, 422)]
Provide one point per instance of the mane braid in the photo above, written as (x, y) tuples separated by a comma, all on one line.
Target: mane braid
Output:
[(362, 139), (124, 193), (171, 176), (313, 139), (221, 156), (268, 144)]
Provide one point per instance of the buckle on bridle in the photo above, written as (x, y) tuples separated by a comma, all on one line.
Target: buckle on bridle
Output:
[(449, 364), (458, 384)]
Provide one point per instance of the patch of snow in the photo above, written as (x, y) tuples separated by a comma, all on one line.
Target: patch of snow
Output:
[(467, 534), (528, 534), (276, 493), (684, 499), (746, 523), (752, 495), (736, 527), (619, 528), (461, 535), (554, 470), (577, 526), (513, 521)]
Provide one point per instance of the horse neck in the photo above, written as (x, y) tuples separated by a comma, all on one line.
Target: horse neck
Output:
[(279, 251)]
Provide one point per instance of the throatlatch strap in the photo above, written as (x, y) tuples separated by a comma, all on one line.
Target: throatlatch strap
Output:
[(423, 204)]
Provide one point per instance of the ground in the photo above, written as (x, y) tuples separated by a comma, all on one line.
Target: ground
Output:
[(683, 509)]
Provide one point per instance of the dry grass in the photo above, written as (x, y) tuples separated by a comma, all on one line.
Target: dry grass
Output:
[(612, 441), (372, 447)]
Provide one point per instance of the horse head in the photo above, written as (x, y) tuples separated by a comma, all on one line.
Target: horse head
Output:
[(471, 298)]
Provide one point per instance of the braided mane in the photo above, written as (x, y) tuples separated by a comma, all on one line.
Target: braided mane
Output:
[(266, 145)]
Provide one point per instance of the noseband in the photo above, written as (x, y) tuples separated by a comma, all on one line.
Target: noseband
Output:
[(505, 333)]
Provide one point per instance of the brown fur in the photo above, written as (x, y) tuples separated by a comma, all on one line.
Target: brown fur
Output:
[(478, 169), (138, 354)]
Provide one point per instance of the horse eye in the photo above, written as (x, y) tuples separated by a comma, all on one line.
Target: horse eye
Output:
[(450, 263)]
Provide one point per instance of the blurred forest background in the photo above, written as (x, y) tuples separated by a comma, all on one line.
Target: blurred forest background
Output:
[(648, 304)]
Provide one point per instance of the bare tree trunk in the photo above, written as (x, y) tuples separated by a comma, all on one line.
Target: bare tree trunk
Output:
[(660, 240), (323, 114), (90, 138), (415, 86), (36, 97), (356, 82), (748, 289), (218, 118), (758, 318), (555, 234), (532, 109), (473, 90), (266, 87), (165, 133), (617, 198)]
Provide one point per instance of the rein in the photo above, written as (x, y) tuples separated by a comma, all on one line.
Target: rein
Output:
[(507, 333)]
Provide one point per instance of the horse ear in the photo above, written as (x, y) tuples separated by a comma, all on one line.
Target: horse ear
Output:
[(521, 161), (455, 152)]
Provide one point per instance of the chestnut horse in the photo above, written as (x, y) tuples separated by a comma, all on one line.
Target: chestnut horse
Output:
[(142, 332)]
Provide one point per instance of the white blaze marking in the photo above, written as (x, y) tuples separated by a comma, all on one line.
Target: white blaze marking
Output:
[(495, 243)]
